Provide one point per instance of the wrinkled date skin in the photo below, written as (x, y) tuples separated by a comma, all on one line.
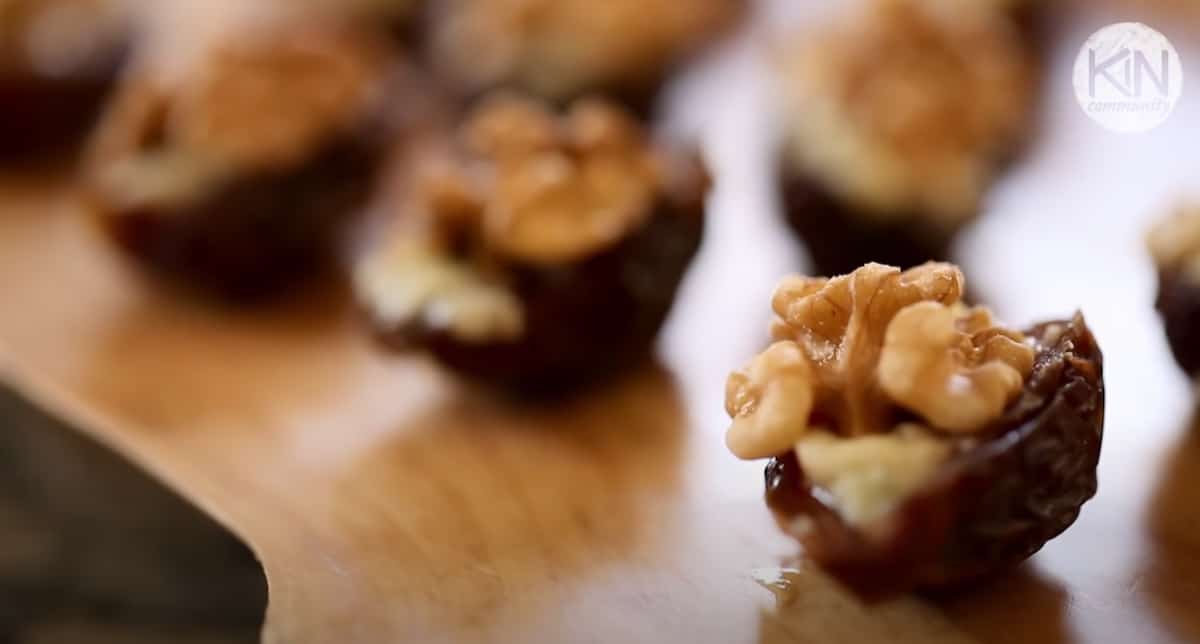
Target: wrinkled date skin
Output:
[(257, 234), (993, 505), (1178, 304), (583, 321)]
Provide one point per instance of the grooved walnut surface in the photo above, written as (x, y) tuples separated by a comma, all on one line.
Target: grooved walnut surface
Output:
[(388, 504)]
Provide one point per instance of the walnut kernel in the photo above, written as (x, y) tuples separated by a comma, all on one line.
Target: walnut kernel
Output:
[(545, 189), (254, 99), (852, 350), (840, 323), (254, 106), (765, 399), (957, 371)]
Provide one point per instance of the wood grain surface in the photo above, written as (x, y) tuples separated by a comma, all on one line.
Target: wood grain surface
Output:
[(388, 503)]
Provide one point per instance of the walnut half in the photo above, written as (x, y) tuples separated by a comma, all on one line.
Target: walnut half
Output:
[(854, 352), (766, 398), (957, 370), (256, 101), (548, 189)]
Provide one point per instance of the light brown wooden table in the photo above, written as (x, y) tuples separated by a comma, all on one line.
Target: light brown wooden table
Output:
[(389, 504)]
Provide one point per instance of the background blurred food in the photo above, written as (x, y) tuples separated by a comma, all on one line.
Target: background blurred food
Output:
[(561, 49), (57, 61), (238, 164), (536, 249), (896, 120)]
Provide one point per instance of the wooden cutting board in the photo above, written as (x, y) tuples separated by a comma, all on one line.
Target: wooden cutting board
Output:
[(389, 504)]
